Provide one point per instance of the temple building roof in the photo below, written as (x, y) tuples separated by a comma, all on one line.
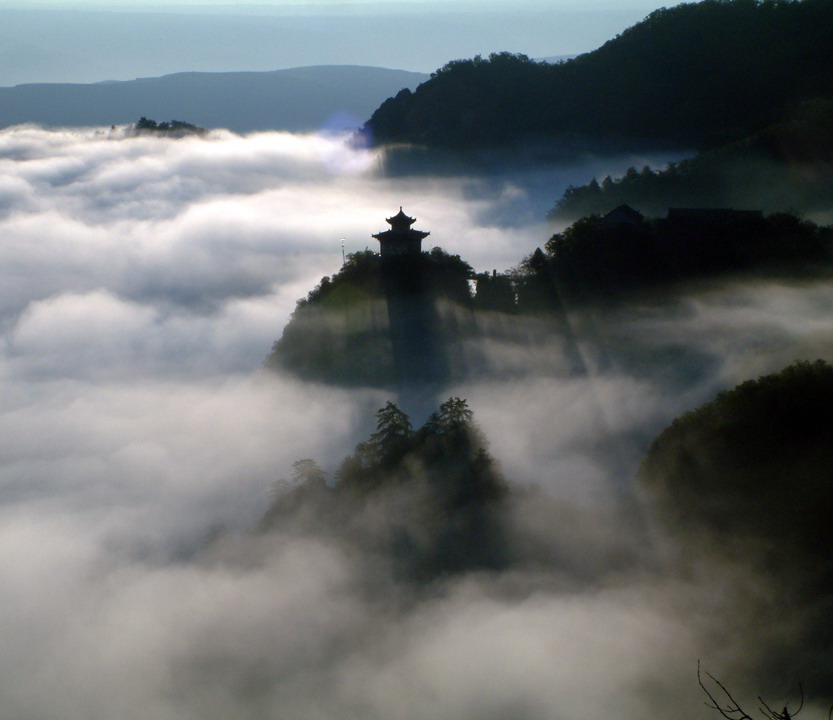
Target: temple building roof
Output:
[(400, 221), (401, 238)]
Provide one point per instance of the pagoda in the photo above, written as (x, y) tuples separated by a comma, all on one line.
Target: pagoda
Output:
[(401, 239)]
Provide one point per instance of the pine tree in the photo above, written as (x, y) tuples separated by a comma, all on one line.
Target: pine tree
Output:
[(393, 432)]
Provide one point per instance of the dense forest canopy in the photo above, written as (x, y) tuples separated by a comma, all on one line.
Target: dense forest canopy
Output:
[(745, 480), (424, 318), (698, 74), (593, 257), (765, 446), (786, 166)]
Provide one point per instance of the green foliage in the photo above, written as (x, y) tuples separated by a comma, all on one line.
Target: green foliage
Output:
[(535, 285), (360, 273), (393, 434), (465, 103), (297, 500), (494, 292), (454, 415), (308, 471), (396, 446), (173, 127), (406, 320), (344, 331), (788, 165), (744, 485), (754, 463), (433, 498), (594, 258), (692, 75)]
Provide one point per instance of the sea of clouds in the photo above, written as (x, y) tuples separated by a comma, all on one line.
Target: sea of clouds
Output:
[(144, 281)]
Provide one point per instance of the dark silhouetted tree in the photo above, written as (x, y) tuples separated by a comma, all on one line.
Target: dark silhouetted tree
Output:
[(393, 432), (455, 414)]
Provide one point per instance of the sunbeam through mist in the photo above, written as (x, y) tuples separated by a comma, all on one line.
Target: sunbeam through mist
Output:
[(145, 280)]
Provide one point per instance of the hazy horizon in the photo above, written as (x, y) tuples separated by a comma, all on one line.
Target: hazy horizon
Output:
[(68, 42)]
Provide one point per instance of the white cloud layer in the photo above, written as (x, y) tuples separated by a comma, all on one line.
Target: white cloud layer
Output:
[(144, 280)]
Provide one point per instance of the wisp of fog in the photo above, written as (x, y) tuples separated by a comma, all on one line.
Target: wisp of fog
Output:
[(145, 280)]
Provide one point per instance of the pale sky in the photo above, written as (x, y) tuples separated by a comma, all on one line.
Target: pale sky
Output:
[(312, 4), (92, 41)]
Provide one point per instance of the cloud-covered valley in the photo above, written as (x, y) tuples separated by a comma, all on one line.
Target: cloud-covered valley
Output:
[(144, 281)]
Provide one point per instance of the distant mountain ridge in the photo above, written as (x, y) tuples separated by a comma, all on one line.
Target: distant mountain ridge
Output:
[(690, 76), (336, 97)]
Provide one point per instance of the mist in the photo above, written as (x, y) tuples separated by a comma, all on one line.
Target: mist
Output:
[(145, 280)]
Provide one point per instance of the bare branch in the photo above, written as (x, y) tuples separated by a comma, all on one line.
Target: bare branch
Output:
[(767, 710), (785, 714), (732, 710)]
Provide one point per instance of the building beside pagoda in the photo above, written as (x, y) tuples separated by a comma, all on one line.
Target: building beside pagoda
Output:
[(401, 239)]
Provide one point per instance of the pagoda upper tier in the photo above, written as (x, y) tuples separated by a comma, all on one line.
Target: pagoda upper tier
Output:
[(401, 239)]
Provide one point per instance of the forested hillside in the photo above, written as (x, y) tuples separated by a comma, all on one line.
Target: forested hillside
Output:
[(431, 498), (691, 76), (786, 166), (746, 478), (377, 321), (390, 322), (430, 503)]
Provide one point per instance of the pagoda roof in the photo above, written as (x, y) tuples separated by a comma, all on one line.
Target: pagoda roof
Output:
[(400, 220), (400, 224), (409, 233)]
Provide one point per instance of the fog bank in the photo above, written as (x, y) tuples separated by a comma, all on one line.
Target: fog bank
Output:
[(145, 280)]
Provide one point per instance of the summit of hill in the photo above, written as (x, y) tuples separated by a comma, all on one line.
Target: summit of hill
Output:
[(692, 76)]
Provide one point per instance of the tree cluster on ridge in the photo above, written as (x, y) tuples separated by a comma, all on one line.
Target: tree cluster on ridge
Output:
[(431, 498), (691, 76)]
